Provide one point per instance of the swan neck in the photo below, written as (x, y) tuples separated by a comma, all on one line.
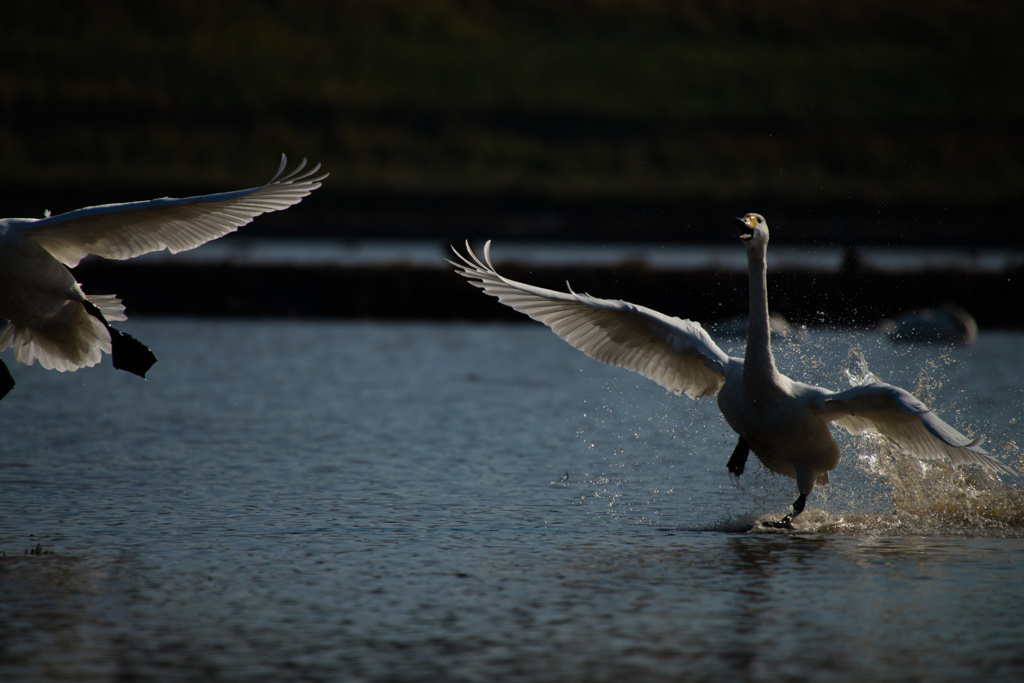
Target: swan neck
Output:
[(759, 365)]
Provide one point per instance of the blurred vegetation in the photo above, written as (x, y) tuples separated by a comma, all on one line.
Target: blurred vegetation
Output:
[(870, 104)]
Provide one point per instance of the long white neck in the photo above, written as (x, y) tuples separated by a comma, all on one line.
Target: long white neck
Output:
[(760, 378)]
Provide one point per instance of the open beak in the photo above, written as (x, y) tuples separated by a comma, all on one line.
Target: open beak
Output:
[(746, 232)]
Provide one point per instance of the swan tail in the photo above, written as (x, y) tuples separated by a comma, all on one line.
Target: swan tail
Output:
[(76, 340), (110, 306)]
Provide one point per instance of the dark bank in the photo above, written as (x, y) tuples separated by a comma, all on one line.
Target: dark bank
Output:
[(855, 296)]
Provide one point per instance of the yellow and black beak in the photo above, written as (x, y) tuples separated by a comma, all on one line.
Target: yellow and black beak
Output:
[(746, 231)]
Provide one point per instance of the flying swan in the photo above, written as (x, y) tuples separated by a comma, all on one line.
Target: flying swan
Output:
[(51, 320), (785, 423)]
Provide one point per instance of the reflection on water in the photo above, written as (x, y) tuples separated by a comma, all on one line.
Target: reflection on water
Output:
[(406, 502)]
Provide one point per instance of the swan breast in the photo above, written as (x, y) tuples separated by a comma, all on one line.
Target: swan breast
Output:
[(783, 431), (34, 286)]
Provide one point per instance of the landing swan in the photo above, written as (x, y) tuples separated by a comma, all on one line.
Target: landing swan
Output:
[(51, 320), (784, 422)]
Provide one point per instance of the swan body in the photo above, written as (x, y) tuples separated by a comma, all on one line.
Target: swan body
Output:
[(784, 422), (50, 318), (949, 324)]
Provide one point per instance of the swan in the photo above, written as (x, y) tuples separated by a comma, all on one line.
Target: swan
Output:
[(949, 324), (50, 318), (784, 422)]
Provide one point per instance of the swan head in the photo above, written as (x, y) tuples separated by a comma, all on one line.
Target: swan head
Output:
[(753, 230)]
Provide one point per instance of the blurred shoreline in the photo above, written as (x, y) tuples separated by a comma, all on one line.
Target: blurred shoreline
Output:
[(240, 250), (809, 285)]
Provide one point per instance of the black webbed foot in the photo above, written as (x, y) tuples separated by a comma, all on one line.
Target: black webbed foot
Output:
[(787, 521), (6, 381), (784, 523), (129, 354), (126, 352), (738, 461)]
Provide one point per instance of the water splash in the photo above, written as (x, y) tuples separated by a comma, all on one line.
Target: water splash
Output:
[(857, 371), (934, 496), (928, 497)]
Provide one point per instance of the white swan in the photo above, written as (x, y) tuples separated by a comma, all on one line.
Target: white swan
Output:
[(785, 423), (51, 320), (949, 323)]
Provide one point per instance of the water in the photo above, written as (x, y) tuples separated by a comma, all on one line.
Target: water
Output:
[(331, 501)]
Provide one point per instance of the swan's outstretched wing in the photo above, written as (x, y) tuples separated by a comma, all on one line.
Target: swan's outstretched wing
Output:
[(123, 231), (896, 414), (677, 354)]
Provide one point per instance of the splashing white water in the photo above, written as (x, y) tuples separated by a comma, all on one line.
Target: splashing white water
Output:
[(928, 497), (857, 371)]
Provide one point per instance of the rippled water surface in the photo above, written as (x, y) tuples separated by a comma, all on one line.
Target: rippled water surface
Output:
[(418, 502)]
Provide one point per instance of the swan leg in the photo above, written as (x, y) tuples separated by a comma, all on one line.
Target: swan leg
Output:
[(805, 483), (6, 381), (127, 352), (739, 457), (787, 521)]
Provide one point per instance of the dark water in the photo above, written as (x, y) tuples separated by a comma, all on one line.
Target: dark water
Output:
[(418, 502)]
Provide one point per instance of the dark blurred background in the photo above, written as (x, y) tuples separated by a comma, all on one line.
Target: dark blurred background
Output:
[(852, 124), (875, 121)]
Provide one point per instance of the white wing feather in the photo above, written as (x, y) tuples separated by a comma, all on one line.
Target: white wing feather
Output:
[(677, 354), (123, 231), (897, 415)]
